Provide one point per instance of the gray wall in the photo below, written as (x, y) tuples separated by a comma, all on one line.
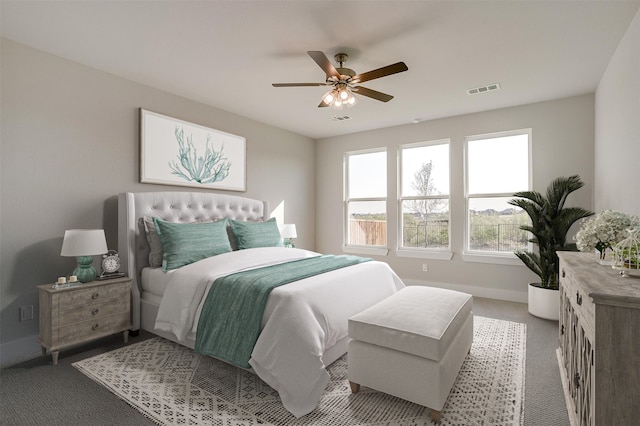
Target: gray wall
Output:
[(563, 140), (617, 145), (70, 145)]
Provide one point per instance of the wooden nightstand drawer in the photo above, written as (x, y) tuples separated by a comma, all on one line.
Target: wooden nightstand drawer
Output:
[(89, 312), (91, 329), (92, 295), (73, 315)]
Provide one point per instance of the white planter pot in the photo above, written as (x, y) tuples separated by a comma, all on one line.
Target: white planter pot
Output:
[(544, 302)]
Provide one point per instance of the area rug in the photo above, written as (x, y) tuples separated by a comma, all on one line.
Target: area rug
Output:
[(170, 384)]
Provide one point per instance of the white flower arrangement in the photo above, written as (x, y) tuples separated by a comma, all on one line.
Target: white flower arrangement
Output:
[(604, 230)]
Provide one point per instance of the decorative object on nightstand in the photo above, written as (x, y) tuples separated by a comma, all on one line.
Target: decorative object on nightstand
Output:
[(626, 254), (110, 266), (74, 315), (288, 233), (84, 243)]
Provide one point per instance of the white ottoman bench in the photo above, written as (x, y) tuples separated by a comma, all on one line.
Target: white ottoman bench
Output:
[(412, 345)]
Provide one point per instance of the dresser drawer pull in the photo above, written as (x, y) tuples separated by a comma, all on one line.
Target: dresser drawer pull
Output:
[(95, 295), (95, 327), (95, 311), (578, 298)]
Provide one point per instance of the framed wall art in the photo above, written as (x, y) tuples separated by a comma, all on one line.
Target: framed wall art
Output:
[(176, 152)]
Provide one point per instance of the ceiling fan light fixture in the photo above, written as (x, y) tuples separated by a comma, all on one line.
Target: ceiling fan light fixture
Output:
[(344, 80), (329, 97)]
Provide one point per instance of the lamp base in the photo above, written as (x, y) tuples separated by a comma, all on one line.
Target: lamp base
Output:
[(85, 270)]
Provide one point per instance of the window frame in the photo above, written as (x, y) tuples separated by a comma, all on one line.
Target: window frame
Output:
[(357, 248), (421, 252), (507, 258)]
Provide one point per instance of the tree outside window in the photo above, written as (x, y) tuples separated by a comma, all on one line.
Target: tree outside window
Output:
[(424, 195)]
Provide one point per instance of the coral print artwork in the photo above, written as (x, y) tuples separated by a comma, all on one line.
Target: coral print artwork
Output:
[(176, 152)]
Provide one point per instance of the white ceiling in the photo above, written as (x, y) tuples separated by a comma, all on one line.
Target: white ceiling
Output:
[(227, 53)]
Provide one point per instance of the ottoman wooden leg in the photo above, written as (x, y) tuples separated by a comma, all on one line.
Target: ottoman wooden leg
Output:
[(436, 416), (355, 387)]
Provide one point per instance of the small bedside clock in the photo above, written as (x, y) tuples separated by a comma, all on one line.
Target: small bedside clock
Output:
[(111, 265)]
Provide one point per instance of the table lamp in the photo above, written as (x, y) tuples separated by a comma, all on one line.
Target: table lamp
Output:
[(288, 233), (84, 243)]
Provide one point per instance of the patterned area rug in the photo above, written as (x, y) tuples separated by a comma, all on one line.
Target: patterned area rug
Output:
[(171, 384)]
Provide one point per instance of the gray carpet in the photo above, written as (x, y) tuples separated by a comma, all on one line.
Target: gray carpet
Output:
[(37, 393)]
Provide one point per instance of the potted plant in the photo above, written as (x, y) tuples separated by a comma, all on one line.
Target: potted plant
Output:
[(550, 223)]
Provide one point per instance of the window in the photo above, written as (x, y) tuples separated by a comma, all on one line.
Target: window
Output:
[(497, 165), (366, 198), (424, 196)]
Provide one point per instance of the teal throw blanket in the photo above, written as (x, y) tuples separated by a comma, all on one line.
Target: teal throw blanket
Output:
[(231, 316)]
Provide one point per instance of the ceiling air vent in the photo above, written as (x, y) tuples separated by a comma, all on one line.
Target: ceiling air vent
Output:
[(483, 89), (342, 118)]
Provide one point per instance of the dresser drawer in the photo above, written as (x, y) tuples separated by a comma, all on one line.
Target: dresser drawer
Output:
[(92, 295), (93, 328), (93, 311), (580, 301)]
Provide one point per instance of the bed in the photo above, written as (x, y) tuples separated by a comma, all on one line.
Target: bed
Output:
[(304, 325)]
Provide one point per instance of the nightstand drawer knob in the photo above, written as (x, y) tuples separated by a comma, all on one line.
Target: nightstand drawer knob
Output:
[(95, 327), (95, 311), (95, 295)]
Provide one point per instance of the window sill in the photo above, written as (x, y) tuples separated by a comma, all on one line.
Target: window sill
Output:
[(504, 259), (369, 251), (425, 254)]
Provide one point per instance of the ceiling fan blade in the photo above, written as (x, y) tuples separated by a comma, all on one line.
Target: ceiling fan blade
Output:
[(324, 63), (381, 72), (373, 94), (297, 84)]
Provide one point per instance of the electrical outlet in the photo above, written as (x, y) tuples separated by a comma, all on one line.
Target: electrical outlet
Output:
[(425, 267), (26, 313)]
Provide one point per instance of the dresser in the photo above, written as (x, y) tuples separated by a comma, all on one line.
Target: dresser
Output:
[(74, 315), (599, 339)]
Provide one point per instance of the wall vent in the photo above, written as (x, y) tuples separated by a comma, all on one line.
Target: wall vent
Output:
[(483, 89), (340, 118)]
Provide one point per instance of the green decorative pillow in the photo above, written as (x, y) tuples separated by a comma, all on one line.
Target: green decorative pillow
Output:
[(185, 243), (256, 234)]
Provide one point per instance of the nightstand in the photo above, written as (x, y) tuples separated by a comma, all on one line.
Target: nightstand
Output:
[(74, 315)]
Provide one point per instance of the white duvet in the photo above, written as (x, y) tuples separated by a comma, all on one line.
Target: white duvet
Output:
[(300, 320)]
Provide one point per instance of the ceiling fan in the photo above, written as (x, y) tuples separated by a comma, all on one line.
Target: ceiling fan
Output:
[(344, 81)]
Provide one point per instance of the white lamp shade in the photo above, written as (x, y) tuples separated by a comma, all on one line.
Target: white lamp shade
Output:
[(288, 230), (83, 242)]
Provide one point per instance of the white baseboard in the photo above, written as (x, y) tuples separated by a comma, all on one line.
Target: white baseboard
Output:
[(19, 350), (489, 293)]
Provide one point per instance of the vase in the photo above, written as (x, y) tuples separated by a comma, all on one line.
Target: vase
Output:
[(604, 257)]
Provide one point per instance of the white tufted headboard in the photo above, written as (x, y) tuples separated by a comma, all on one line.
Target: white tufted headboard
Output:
[(183, 207)]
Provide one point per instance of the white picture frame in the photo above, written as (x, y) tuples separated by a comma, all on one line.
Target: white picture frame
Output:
[(177, 152)]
